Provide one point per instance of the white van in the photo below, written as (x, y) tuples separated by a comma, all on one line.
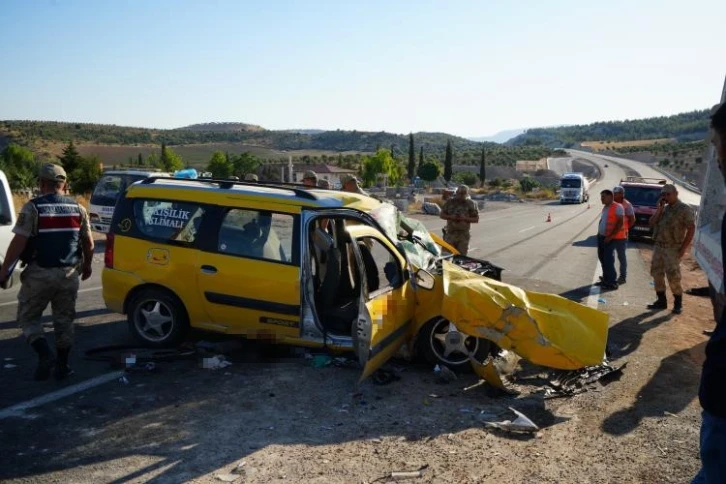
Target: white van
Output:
[(107, 191), (7, 216)]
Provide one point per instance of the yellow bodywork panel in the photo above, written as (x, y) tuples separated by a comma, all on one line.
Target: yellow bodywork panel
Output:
[(545, 329)]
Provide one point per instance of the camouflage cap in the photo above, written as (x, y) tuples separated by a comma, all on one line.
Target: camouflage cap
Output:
[(346, 178), (618, 189), (52, 172), (310, 174), (323, 183), (251, 177)]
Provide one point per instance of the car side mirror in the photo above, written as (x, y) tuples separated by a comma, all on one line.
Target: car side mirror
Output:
[(424, 280)]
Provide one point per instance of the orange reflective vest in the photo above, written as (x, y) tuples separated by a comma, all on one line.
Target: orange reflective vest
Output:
[(612, 221)]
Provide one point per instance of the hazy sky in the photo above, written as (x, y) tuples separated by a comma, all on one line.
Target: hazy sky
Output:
[(464, 67)]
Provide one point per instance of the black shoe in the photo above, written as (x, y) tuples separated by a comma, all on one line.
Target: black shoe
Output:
[(610, 286), (660, 303), (45, 359), (62, 370), (678, 304), (621, 280)]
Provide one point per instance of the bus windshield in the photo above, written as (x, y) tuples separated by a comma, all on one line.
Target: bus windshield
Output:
[(109, 187), (570, 183)]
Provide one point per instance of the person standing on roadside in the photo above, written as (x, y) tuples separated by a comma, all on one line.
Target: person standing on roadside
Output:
[(712, 391), (621, 245), (673, 227), (53, 237), (610, 229), (460, 212)]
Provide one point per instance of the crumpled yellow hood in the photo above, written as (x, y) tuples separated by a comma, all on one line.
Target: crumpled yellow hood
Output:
[(545, 329)]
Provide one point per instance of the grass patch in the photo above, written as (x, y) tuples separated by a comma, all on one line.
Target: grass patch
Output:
[(607, 145)]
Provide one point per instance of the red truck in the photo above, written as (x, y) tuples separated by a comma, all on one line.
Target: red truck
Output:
[(644, 194)]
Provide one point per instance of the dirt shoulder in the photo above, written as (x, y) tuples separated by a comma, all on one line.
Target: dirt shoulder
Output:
[(273, 417)]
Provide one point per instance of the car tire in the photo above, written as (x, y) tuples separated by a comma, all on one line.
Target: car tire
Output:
[(432, 349), (157, 318)]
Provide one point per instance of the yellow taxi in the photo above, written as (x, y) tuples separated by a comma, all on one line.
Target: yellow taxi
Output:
[(321, 268)]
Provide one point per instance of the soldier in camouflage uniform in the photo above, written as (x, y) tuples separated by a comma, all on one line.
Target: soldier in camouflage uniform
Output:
[(673, 227), (460, 212), (53, 237)]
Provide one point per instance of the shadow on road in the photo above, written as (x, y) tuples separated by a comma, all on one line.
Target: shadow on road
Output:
[(588, 242), (658, 395), (49, 319), (625, 337)]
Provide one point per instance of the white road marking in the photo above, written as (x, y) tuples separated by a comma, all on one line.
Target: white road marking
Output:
[(592, 299), (19, 409), (88, 289), (528, 228)]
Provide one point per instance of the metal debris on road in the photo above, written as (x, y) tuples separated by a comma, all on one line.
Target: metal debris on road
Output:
[(227, 477), (522, 424), (123, 380), (398, 475), (568, 383), (9, 366), (215, 362), (384, 377), (321, 361)]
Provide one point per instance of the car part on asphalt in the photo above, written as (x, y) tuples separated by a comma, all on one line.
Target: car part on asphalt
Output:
[(569, 383), (521, 424)]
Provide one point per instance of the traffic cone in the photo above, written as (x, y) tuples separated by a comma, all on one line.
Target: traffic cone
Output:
[(549, 218)]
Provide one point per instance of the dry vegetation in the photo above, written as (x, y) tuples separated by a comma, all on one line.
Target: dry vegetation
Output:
[(609, 145), (19, 200)]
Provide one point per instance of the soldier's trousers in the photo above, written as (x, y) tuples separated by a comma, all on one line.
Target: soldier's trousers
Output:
[(666, 263), (459, 240), (40, 287)]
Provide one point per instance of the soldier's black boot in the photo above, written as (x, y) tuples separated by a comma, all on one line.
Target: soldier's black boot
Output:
[(45, 359), (677, 304), (660, 303), (62, 370)]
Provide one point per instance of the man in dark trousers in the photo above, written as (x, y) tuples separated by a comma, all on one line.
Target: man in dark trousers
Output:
[(712, 392), (610, 229), (52, 236)]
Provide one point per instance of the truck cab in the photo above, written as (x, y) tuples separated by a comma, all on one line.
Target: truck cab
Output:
[(643, 194), (574, 188)]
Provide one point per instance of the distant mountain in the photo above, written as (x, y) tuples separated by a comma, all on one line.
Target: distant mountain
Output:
[(302, 131), (690, 126), (222, 127), (500, 137)]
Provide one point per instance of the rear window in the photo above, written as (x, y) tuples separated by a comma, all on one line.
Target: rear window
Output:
[(109, 187), (643, 196), (170, 221)]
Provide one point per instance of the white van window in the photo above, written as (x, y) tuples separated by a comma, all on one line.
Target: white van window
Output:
[(109, 187)]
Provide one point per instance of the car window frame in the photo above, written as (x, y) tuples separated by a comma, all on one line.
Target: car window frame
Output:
[(370, 296), (212, 241), (136, 231)]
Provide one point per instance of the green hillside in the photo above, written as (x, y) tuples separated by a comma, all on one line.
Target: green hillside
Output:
[(115, 144), (683, 127)]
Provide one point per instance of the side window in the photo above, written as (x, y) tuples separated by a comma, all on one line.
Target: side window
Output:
[(172, 221), (381, 265), (256, 234)]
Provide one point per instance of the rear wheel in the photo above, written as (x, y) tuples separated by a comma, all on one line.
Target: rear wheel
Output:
[(157, 318), (441, 343)]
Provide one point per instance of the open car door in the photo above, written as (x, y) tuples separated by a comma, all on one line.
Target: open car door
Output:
[(388, 304)]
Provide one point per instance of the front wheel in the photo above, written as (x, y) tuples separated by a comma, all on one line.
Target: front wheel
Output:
[(157, 318), (441, 343)]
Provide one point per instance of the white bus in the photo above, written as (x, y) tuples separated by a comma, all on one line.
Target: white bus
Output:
[(107, 191)]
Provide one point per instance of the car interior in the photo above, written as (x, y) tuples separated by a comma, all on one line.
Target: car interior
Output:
[(336, 275)]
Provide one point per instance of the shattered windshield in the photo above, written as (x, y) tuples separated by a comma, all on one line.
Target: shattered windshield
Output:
[(409, 234)]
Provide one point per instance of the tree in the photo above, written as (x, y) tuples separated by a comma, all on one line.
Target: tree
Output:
[(71, 158), (153, 161), (20, 167), (465, 177), (219, 166), (86, 175), (448, 162), (170, 161), (245, 163), (483, 167), (429, 171), (382, 163), (420, 158), (140, 160), (527, 184), (411, 169)]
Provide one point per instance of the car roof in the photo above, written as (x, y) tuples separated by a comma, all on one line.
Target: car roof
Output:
[(216, 191)]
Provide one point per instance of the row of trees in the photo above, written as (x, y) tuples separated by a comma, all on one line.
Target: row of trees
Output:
[(224, 165)]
